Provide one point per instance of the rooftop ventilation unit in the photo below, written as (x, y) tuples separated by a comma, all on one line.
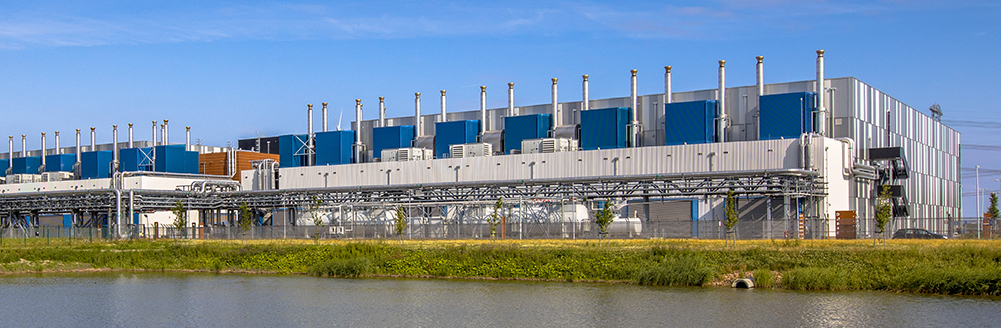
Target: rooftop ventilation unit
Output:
[(471, 150), (548, 145), (406, 154)]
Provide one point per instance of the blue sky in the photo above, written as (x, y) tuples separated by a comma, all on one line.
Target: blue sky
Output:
[(233, 69)]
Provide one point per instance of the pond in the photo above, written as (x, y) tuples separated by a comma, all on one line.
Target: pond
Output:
[(116, 299)]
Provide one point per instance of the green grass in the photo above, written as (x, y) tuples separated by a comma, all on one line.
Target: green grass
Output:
[(946, 267)]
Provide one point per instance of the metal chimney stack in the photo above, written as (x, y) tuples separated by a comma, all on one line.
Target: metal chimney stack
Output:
[(79, 147), (443, 119), (721, 104), (668, 97), (418, 128), (10, 154), (166, 133), (155, 143), (821, 109), (761, 75), (554, 120), (324, 117), (93, 139), (58, 150), (114, 147), (634, 123), (131, 144), (309, 135), (382, 112), (585, 103), (187, 138), (483, 109), (24, 146), (358, 144), (41, 169), (510, 99)]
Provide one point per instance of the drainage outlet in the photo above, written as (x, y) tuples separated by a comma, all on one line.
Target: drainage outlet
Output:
[(743, 283)]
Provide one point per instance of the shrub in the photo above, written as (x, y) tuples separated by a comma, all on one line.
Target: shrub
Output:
[(353, 268), (764, 278)]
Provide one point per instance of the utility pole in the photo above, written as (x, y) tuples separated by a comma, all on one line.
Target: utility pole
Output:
[(980, 220)]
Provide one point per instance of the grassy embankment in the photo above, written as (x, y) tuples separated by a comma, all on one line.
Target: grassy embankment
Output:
[(948, 267)]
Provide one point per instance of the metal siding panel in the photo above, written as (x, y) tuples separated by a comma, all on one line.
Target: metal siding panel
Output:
[(604, 128), (689, 122)]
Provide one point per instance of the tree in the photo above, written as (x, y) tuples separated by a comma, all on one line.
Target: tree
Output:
[(730, 214), (400, 222), (246, 217), (495, 217), (603, 219), (884, 211), (180, 219), (992, 211), (314, 213)]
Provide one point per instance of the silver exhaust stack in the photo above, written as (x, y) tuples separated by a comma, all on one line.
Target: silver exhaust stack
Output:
[(93, 139), (418, 128), (131, 144), (585, 103), (10, 154), (634, 123), (821, 110), (309, 135), (58, 151), (324, 114), (554, 120), (358, 144), (24, 146), (41, 169), (79, 149), (510, 99), (721, 104), (114, 147), (443, 106), (761, 75), (483, 109), (187, 138), (166, 133), (668, 97), (382, 112), (155, 143)]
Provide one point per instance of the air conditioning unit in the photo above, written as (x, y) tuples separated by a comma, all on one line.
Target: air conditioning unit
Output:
[(24, 178), (338, 230), (471, 150), (548, 145), (406, 154), (56, 176)]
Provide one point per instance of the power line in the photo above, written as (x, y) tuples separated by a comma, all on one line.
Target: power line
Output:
[(979, 147), (973, 124)]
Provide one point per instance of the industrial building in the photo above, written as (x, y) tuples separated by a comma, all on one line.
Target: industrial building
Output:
[(805, 159)]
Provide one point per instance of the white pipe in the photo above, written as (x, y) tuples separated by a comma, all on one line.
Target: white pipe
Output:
[(634, 123), (668, 97), (324, 117), (585, 103), (821, 110), (79, 148), (418, 128), (93, 139), (131, 145), (154, 134), (554, 120), (382, 111), (510, 99), (721, 104), (24, 146), (761, 76), (483, 109), (166, 133), (358, 145), (10, 154), (443, 106), (187, 138), (57, 150), (41, 169)]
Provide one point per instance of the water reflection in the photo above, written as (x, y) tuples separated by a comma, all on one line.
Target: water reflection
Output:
[(199, 300)]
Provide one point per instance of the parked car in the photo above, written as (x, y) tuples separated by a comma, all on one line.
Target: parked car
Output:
[(913, 233)]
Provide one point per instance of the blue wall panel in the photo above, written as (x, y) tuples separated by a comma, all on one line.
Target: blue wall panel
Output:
[(174, 159), (135, 159), (454, 133), (524, 127), (27, 165), (690, 122), (4, 165), (604, 128), (391, 137), (96, 164), (287, 146), (786, 115), (60, 163), (334, 147)]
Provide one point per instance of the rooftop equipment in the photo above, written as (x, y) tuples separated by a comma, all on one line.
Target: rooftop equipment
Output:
[(604, 128), (786, 115), (391, 137), (689, 122), (548, 145), (334, 147), (721, 118), (454, 133), (406, 154), (471, 150), (524, 127)]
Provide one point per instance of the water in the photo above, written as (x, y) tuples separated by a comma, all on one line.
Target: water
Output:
[(200, 300)]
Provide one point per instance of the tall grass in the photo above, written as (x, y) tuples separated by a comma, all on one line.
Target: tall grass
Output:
[(685, 271)]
